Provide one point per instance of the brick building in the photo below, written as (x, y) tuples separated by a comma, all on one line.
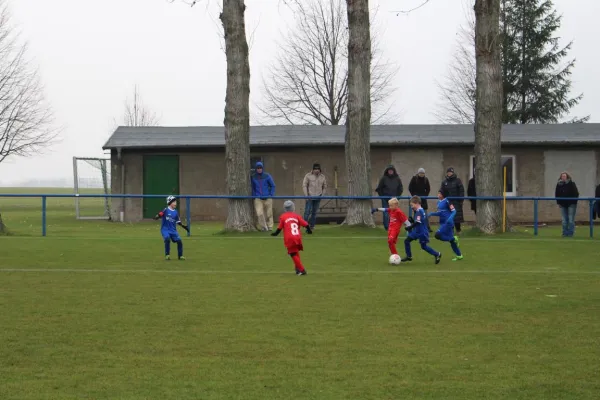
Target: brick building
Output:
[(190, 160)]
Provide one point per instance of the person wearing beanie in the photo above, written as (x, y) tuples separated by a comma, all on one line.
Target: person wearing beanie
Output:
[(290, 223), (454, 188), (390, 185), (419, 186), (263, 188), (314, 185)]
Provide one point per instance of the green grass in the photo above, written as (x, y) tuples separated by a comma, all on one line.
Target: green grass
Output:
[(93, 312)]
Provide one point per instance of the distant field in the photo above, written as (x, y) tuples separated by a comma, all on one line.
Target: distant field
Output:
[(94, 312), (24, 214)]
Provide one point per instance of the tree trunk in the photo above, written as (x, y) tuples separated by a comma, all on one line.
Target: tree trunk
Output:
[(237, 117), (358, 122), (488, 114)]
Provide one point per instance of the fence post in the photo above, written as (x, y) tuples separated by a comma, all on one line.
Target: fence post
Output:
[(591, 219), (188, 214), (535, 217), (43, 215)]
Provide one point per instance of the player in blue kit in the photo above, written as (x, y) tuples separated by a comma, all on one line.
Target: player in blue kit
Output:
[(446, 212), (419, 231), (168, 228)]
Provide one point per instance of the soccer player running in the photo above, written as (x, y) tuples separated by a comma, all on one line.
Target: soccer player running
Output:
[(168, 228), (290, 223), (419, 231), (446, 212), (397, 218)]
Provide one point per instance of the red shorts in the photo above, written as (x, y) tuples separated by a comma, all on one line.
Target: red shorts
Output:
[(295, 248), (393, 236)]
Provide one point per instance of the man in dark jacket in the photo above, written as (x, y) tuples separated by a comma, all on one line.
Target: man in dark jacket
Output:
[(455, 188), (596, 204), (419, 186), (471, 192), (568, 189), (390, 185)]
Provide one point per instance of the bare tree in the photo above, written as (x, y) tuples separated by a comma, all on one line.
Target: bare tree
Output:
[(137, 114), (457, 105), (308, 83), (25, 118), (488, 113), (237, 117), (358, 123)]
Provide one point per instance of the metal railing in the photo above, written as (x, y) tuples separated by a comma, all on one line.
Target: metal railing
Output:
[(188, 198)]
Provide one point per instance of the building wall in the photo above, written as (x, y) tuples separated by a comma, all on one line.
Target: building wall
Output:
[(203, 173)]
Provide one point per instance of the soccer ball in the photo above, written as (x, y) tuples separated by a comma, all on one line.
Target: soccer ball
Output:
[(395, 259)]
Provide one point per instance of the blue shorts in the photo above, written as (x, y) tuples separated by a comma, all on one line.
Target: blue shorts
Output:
[(173, 236), (420, 238), (445, 233)]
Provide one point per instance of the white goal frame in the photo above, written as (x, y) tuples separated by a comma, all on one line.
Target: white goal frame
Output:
[(105, 184)]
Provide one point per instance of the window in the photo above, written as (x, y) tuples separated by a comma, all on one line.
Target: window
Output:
[(510, 162), (253, 161)]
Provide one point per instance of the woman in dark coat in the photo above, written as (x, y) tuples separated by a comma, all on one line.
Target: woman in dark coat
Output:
[(390, 185), (419, 186), (455, 188), (568, 208)]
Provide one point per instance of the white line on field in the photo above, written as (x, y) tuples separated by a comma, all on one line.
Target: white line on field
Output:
[(250, 272), (211, 237)]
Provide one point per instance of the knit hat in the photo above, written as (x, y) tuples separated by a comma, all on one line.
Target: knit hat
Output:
[(171, 199), (259, 165), (421, 171), (450, 169), (316, 166), (288, 205)]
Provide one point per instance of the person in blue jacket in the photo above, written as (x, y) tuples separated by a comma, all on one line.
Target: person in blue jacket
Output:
[(263, 187)]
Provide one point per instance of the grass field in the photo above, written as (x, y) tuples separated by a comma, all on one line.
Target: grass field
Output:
[(93, 312)]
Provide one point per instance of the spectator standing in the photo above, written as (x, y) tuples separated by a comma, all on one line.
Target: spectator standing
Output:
[(390, 185), (566, 188), (419, 186), (263, 187), (313, 185), (471, 192), (455, 188), (596, 203)]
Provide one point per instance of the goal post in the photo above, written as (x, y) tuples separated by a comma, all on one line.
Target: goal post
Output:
[(91, 176)]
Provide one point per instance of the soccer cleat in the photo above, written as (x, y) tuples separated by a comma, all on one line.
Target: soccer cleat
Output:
[(167, 258), (458, 258), (182, 258), (405, 259), (300, 273), (438, 258)]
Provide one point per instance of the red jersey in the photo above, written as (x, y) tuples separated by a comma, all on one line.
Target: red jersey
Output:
[(290, 224), (397, 219)]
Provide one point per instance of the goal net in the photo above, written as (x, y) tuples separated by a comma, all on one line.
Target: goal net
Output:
[(91, 176)]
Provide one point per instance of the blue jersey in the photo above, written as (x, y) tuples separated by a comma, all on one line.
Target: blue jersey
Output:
[(421, 229), (170, 218), (444, 210)]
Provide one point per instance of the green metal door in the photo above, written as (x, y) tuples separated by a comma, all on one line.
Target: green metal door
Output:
[(161, 176)]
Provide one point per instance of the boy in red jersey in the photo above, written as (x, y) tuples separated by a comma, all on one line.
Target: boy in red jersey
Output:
[(290, 223), (397, 219)]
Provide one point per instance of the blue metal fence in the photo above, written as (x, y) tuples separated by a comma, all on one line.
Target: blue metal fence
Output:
[(188, 199)]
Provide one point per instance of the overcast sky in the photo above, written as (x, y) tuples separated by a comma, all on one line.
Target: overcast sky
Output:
[(91, 54)]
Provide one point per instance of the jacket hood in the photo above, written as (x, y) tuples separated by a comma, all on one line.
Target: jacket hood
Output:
[(385, 172)]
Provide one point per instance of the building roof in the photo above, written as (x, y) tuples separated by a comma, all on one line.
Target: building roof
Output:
[(381, 135)]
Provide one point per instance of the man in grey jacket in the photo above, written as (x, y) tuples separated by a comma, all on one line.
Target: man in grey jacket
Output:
[(313, 185)]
